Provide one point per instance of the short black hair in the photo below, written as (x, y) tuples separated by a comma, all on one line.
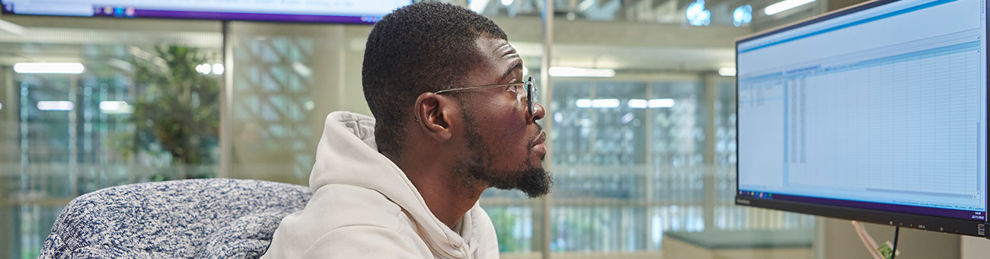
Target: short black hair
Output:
[(423, 47)]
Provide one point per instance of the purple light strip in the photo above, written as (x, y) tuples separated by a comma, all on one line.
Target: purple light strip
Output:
[(144, 13)]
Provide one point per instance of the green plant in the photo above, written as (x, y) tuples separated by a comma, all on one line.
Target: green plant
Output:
[(886, 250), (177, 107), (504, 226)]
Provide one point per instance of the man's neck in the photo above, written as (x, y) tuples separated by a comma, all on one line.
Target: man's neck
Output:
[(445, 192)]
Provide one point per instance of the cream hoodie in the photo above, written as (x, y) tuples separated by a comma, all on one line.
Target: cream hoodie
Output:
[(363, 206)]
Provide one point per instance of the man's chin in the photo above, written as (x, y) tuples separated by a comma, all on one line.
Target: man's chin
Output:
[(536, 182)]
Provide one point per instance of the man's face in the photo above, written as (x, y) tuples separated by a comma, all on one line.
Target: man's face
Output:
[(505, 145)]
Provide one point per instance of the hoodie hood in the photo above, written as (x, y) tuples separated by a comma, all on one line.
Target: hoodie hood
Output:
[(347, 154)]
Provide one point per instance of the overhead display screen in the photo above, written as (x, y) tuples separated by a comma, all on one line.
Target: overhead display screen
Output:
[(315, 11)]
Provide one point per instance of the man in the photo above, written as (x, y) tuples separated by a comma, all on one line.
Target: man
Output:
[(454, 117)]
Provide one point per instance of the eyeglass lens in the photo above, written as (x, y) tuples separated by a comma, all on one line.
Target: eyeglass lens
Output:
[(529, 95)]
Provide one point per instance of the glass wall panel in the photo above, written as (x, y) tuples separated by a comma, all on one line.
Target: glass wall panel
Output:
[(596, 130), (634, 160), (139, 111)]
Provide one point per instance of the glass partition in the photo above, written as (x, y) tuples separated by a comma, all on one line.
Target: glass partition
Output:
[(137, 109), (633, 160)]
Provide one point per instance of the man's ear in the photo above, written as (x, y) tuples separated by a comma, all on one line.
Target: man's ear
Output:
[(433, 113)]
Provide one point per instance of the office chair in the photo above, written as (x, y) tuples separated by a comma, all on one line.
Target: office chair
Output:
[(202, 218)]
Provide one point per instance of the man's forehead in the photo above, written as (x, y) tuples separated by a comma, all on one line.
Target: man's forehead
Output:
[(502, 58), (505, 50), (497, 48)]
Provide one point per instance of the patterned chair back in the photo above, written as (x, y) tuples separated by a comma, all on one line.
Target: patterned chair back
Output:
[(201, 218)]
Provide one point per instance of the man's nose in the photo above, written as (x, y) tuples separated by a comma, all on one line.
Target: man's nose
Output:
[(538, 112)]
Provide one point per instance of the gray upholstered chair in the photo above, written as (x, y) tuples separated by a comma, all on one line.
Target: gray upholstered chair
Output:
[(202, 218)]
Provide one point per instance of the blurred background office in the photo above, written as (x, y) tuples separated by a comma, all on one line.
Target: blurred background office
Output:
[(641, 97)]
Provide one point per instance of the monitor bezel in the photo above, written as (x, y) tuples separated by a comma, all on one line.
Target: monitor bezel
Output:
[(916, 221)]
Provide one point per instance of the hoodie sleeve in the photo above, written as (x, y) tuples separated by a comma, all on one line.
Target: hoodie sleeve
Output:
[(362, 242)]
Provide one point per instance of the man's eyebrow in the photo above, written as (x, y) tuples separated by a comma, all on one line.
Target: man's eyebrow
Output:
[(517, 65)]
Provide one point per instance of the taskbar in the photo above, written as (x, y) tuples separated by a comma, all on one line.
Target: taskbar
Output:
[(930, 211)]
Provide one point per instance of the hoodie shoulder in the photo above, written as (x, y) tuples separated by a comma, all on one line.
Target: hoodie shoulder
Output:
[(345, 218), (347, 205), (365, 242)]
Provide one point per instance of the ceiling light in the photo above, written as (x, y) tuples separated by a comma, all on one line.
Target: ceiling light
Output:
[(583, 103), (597, 103), (604, 103), (581, 72), (662, 103), (115, 107), (49, 68), (55, 105), (727, 71), (638, 104), (784, 6)]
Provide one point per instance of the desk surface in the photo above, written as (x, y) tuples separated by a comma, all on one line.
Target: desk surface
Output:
[(746, 239)]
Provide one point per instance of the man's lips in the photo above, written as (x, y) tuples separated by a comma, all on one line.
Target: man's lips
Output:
[(538, 147), (542, 137)]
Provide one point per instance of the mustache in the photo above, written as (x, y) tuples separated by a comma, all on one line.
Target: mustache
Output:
[(539, 131)]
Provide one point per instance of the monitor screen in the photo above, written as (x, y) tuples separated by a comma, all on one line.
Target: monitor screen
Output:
[(318, 11), (876, 112)]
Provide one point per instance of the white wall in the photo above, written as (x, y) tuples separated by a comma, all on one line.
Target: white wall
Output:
[(975, 248)]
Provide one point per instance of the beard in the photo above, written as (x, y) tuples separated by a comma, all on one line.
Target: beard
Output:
[(477, 167)]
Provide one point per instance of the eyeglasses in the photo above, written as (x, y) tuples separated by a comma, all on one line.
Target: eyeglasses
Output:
[(529, 94)]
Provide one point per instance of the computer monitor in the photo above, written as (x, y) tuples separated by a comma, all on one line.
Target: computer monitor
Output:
[(877, 113), (323, 11)]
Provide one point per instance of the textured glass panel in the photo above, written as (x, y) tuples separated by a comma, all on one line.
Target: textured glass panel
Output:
[(273, 99)]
